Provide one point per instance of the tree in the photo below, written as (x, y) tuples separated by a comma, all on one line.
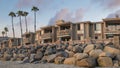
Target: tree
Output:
[(20, 14), (34, 9), (3, 33), (25, 15), (12, 14), (6, 30)]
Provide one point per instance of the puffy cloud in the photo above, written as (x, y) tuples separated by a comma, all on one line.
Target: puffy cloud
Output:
[(65, 14), (113, 15), (107, 4)]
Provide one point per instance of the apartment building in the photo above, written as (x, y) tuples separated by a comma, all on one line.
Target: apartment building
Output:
[(87, 30)]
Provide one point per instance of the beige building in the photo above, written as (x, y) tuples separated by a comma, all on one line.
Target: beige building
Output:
[(112, 29), (14, 42), (28, 38), (68, 31)]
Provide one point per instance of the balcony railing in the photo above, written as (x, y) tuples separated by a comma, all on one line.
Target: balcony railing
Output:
[(46, 35), (107, 31), (64, 33), (27, 40), (80, 32)]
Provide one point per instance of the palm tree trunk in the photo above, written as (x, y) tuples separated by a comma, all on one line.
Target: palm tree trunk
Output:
[(13, 28), (35, 21), (6, 34), (21, 30), (26, 24)]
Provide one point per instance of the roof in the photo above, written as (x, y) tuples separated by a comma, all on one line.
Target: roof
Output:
[(28, 33), (64, 23), (111, 19), (45, 27)]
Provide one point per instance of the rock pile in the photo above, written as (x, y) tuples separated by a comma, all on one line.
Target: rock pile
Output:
[(83, 55)]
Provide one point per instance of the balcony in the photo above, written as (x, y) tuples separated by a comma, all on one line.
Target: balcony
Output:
[(63, 33), (112, 31), (80, 32), (26, 40), (46, 36)]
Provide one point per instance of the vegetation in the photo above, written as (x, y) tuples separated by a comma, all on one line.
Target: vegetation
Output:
[(34, 9), (12, 14)]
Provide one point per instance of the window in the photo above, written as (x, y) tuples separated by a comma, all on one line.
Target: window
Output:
[(79, 38), (96, 37), (78, 26)]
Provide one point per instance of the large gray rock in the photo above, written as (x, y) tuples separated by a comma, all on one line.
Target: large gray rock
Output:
[(88, 48), (105, 62), (116, 63), (77, 49), (86, 62), (32, 58), (26, 60), (62, 54), (38, 55), (51, 58), (79, 56), (95, 53)]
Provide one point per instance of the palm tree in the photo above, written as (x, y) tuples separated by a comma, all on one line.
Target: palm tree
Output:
[(20, 14), (6, 30), (3, 33), (25, 15), (35, 9), (12, 14)]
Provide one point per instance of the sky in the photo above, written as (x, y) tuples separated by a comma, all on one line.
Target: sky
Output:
[(52, 10)]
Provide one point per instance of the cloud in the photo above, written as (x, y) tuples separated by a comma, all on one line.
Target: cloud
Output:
[(107, 4), (113, 15), (65, 14)]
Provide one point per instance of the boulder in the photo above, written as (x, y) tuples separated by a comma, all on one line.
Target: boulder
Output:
[(70, 53), (59, 60), (70, 48), (86, 62), (38, 56), (77, 49), (95, 53), (99, 46), (118, 57), (7, 57), (69, 61), (88, 48), (44, 59), (32, 58), (116, 63), (111, 50), (26, 60), (50, 58), (106, 54), (79, 56), (105, 62), (63, 54)]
